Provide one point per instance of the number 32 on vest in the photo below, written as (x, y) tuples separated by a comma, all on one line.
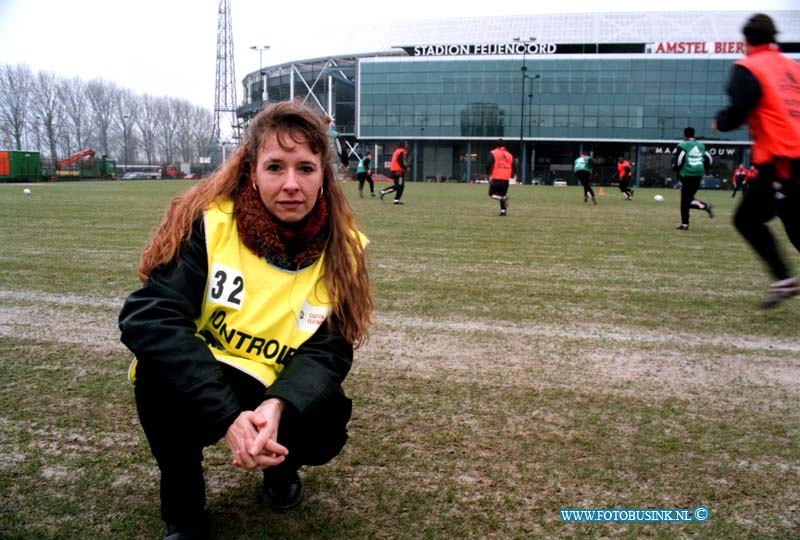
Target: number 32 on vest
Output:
[(225, 286)]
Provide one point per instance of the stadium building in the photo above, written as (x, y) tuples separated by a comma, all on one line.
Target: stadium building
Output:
[(550, 86)]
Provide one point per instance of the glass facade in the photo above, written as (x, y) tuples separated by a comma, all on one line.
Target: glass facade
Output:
[(565, 98)]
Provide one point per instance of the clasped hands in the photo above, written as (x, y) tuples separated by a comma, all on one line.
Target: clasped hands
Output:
[(253, 437)]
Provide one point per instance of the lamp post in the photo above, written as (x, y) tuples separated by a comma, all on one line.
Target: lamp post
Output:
[(523, 69), (530, 113), (530, 109), (260, 50), (125, 139)]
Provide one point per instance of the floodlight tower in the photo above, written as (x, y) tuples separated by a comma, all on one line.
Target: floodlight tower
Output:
[(226, 127)]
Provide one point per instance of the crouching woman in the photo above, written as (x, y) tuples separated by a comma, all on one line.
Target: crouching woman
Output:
[(255, 293)]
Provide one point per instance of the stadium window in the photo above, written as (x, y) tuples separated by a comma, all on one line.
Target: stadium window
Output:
[(636, 116)]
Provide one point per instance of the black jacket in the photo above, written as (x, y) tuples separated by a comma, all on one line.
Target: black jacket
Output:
[(158, 326), (744, 91)]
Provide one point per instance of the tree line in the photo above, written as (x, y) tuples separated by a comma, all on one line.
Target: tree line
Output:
[(58, 116)]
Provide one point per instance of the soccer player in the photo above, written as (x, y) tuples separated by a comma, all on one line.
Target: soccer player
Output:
[(398, 169), (739, 178), (364, 174), (624, 173), (691, 162), (583, 168), (500, 168), (765, 95)]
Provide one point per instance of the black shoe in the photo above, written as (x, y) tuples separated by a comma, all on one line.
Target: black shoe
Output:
[(683, 227), (373, 193), (382, 194), (282, 491), (503, 212), (710, 210), (179, 532)]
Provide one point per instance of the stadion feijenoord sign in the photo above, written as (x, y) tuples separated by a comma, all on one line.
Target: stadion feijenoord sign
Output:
[(482, 49), (532, 48)]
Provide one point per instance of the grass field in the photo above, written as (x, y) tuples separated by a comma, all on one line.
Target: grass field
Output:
[(565, 356)]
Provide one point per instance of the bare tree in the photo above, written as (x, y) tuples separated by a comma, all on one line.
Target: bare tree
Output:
[(201, 125), (76, 108), (127, 106), (183, 121), (15, 97), (166, 128), (101, 98), (46, 106), (66, 115), (148, 127)]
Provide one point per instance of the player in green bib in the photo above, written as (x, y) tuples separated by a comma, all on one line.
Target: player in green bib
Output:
[(255, 293), (364, 174), (583, 167), (691, 162)]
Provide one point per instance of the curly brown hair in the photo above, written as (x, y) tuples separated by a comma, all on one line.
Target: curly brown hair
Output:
[(345, 274)]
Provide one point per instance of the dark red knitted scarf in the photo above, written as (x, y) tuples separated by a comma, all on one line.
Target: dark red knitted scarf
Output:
[(286, 245)]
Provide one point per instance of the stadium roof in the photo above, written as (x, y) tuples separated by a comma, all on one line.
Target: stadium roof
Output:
[(635, 27)]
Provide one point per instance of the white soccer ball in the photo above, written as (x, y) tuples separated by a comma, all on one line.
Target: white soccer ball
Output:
[(26, 191), (658, 198)]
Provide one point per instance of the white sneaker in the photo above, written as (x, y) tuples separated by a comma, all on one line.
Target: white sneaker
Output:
[(780, 291)]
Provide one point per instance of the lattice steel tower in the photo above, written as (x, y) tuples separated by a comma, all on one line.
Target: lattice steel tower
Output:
[(226, 127)]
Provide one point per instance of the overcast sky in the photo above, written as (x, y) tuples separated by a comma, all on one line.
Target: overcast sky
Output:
[(168, 47)]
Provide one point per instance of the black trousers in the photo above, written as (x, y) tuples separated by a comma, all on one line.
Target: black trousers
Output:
[(766, 198), (689, 187), (362, 177), (586, 182), (398, 187), (177, 443), (499, 188), (624, 186)]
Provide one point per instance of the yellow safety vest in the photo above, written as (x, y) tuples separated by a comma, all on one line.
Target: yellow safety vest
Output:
[(255, 315)]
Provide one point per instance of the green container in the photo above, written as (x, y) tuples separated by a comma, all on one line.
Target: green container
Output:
[(20, 165), (101, 167)]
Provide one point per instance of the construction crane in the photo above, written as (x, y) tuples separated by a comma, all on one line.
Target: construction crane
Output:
[(74, 158)]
